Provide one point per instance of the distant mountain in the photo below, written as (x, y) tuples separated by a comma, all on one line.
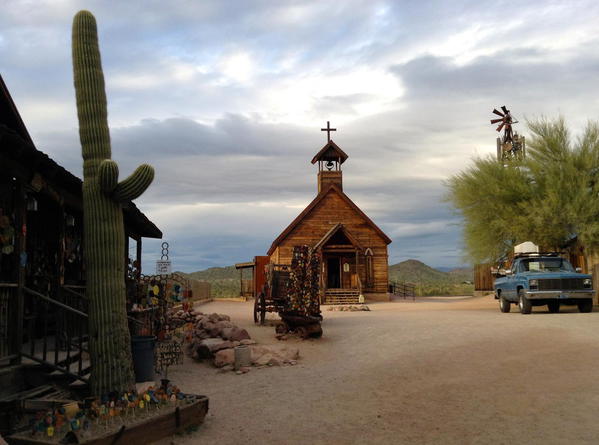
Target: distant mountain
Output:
[(215, 273), (463, 274), (225, 280), (417, 272)]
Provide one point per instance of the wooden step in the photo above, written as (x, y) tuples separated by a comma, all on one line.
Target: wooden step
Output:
[(341, 296)]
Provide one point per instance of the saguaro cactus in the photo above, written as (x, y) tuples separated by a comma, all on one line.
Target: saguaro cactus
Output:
[(103, 196)]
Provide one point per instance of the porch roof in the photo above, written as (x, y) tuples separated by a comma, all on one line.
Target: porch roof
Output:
[(337, 227)]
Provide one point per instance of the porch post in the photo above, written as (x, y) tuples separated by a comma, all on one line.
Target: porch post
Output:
[(21, 262), (138, 257)]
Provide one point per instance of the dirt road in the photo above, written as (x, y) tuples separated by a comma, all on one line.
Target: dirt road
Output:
[(434, 371)]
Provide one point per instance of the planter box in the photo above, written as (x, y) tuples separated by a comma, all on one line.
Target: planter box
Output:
[(175, 420)]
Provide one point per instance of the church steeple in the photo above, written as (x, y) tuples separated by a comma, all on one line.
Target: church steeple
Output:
[(329, 158)]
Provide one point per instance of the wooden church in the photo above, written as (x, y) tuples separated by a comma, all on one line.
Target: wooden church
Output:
[(352, 247)]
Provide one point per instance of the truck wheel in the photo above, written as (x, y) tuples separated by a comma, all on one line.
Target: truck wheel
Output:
[(586, 306), (504, 305), (553, 307), (524, 303)]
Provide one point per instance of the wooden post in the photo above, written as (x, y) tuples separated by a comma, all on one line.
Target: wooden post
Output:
[(358, 273), (241, 282), (61, 245), (126, 255), (21, 260), (596, 280), (138, 257)]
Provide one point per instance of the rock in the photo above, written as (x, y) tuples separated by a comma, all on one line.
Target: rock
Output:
[(248, 341), (228, 368), (245, 369), (218, 317), (224, 357), (238, 372), (274, 362), (273, 355), (290, 352), (258, 351), (209, 346), (234, 334), (225, 324), (264, 359), (214, 330), (208, 325)]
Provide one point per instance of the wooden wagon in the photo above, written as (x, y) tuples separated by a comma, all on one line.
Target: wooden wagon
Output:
[(274, 298), (273, 294)]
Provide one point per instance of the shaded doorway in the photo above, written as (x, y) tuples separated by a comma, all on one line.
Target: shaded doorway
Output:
[(333, 273)]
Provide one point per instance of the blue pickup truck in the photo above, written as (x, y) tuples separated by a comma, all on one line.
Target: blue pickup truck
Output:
[(543, 279)]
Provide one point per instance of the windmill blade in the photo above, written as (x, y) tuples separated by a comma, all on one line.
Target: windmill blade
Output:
[(505, 110), (494, 121), (501, 126), (497, 112)]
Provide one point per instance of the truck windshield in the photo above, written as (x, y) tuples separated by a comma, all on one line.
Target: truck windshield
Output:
[(546, 265)]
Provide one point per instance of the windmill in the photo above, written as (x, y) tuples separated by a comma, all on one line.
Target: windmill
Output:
[(511, 145)]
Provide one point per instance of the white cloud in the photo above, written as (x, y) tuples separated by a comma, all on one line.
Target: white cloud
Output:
[(237, 67), (227, 104)]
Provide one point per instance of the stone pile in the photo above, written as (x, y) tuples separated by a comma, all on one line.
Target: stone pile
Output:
[(361, 307), (214, 337), (274, 355), (180, 317), (211, 333)]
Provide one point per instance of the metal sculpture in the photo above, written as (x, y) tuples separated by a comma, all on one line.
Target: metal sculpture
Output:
[(511, 145)]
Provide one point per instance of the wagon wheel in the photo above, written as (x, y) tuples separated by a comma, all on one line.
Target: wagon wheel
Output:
[(282, 328), (302, 331), (257, 306), (318, 333), (262, 308)]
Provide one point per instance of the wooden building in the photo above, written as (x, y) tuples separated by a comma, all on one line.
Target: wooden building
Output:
[(43, 308), (353, 248)]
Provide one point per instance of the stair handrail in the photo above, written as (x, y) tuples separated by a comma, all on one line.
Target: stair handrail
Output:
[(75, 293), (54, 302), (84, 297)]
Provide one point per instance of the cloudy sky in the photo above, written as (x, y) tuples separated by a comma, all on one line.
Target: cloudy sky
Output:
[(226, 100)]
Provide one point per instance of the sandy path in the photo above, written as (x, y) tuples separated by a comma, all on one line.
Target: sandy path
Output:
[(445, 370)]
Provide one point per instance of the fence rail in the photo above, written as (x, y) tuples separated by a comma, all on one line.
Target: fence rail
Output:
[(403, 289)]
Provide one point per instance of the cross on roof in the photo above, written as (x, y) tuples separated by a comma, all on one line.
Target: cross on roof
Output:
[(328, 130)]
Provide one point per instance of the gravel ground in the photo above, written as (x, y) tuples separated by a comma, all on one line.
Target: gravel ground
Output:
[(434, 371)]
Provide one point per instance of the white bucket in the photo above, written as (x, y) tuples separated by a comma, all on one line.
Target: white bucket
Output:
[(243, 357)]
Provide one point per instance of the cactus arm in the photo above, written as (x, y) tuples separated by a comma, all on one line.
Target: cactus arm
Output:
[(108, 175), (133, 186)]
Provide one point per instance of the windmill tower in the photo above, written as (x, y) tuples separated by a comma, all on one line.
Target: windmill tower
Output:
[(511, 145)]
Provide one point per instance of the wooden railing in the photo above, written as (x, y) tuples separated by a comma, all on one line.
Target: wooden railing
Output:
[(403, 289), (8, 328), (57, 334)]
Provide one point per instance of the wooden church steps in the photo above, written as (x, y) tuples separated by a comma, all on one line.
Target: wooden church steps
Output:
[(341, 296)]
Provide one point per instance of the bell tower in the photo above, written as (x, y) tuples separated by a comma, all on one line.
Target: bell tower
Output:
[(329, 158)]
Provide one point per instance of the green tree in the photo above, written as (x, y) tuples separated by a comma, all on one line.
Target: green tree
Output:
[(548, 198)]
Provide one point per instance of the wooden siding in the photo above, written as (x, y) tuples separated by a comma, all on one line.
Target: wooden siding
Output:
[(483, 280), (332, 209)]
